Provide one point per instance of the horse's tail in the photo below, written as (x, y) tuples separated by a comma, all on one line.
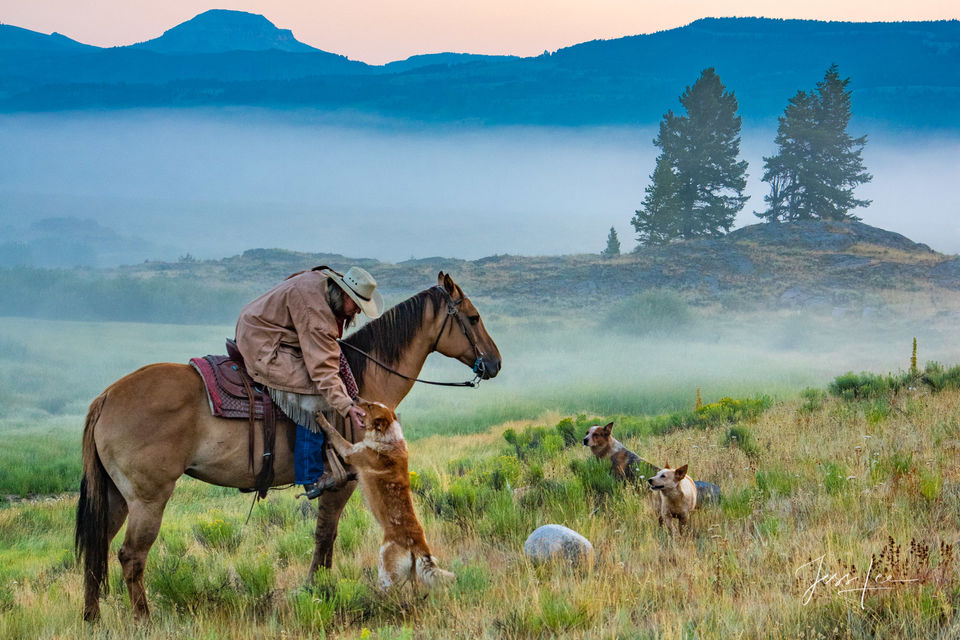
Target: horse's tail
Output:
[(430, 574), (90, 538)]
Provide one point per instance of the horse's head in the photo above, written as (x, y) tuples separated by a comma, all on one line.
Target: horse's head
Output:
[(465, 338)]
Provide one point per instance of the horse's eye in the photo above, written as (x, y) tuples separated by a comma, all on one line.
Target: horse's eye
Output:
[(474, 319)]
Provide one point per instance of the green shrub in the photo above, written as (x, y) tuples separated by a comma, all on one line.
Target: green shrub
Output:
[(423, 483), (742, 438), (543, 442), (729, 411), (460, 466), (217, 534), (939, 379), (813, 399), (854, 386), (185, 583), (256, 576), (312, 612), (273, 513), (534, 474), (502, 472), (527, 442), (503, 520), (463, 500), (595, 475), (354, 525), (657, 311), (569, 432), (295, 546)]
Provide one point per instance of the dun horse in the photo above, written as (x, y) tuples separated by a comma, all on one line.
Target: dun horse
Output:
[(154, 425)]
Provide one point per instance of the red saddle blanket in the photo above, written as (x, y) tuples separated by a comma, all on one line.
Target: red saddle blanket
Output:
[(226, 392)]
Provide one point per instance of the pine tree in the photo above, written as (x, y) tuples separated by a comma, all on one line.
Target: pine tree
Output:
[(793, 169), (818, 164), (613, 244), (658, 220), (697, 185)]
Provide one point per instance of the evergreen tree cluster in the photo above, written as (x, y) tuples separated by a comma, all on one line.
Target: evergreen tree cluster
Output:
[(696, 188)]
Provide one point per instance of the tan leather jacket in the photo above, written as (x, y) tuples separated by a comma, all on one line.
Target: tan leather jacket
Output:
[(288, 339)]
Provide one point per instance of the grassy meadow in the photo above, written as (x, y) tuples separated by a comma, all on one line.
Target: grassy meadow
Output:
[(862, 478)]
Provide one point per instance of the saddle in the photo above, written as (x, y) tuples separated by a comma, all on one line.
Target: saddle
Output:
[(232, 393)]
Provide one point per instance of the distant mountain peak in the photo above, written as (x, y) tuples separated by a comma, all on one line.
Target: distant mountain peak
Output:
[(221, 30), (12, 37)]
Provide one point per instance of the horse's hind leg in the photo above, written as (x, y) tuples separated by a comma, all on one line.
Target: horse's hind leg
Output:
[(330, 505), (142, 529)]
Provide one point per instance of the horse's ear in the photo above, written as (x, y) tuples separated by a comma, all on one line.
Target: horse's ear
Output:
[(447, 283), (440, 279)]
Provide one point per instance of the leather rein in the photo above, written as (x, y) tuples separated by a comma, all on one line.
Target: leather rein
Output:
[(453, 309)]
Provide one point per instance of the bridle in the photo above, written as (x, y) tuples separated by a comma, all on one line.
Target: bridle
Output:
[(453, 310)]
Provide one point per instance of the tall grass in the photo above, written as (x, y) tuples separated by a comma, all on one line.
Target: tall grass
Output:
[(841, 494)]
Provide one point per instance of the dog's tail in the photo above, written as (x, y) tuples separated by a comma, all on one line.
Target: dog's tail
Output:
[(430, 574)]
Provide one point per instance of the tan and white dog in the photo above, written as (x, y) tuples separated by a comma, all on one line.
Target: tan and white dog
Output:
[(380, 460), (678, 494)]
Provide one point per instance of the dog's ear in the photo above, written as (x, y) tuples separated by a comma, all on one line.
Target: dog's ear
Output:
[(607, 428), (679, 473), (666, 464), (381, 423)]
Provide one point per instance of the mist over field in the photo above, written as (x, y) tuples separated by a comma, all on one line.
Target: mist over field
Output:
[(594, 363), (213, 183)]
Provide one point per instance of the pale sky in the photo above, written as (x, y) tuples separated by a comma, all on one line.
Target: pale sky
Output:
[(379, 31)]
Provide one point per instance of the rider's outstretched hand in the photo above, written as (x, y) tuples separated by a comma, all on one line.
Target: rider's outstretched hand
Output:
[(356, 414)]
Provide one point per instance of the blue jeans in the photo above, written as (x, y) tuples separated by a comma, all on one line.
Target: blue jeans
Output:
[(307, 456)]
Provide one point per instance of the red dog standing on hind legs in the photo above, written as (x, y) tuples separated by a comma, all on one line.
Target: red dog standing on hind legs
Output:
[(154, 425)]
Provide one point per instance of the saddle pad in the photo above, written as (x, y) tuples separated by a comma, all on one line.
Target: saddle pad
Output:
[(219, 375)]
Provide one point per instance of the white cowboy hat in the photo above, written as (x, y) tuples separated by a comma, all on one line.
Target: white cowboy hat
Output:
[(362, 288)]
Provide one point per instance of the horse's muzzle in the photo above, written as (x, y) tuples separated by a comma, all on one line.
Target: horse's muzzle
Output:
[(487, 368)]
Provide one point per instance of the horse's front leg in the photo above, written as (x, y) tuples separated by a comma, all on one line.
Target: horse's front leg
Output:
[(330, 505)]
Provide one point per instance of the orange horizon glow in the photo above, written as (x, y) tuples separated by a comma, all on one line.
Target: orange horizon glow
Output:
[(379, 31)]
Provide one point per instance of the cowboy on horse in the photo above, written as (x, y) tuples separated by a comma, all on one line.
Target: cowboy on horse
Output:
[(289, 341)]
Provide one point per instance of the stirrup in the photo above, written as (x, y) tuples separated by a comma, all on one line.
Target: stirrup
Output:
[(315, 489)]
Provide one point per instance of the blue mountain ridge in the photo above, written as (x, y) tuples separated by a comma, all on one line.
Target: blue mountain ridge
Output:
[(19, 39), (221, 30), (903, 73)]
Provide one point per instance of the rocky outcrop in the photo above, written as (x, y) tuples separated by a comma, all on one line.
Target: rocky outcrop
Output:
[(820, 235)]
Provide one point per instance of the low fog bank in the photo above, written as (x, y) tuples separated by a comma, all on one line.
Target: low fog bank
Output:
[(573, 367), (214, 183), (560, 364)]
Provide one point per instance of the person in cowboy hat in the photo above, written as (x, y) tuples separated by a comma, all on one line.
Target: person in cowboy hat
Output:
[(288, 339)]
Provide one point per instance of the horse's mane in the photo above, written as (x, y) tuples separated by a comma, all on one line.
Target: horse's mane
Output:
[(389, 335)]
